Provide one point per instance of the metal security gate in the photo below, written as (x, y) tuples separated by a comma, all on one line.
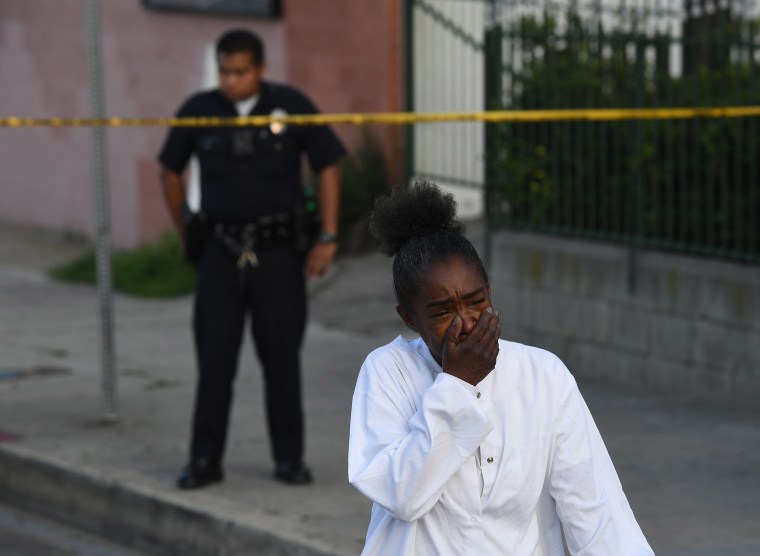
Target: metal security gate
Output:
[(683, 185), (445, 74)]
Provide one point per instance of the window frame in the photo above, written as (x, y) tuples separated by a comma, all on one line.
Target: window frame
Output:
[(261, 9)]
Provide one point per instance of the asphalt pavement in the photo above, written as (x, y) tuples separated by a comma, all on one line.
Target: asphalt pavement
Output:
[(691, 472), (27, 534)]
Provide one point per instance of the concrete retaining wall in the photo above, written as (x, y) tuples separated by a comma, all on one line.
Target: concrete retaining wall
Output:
[(680, 325)]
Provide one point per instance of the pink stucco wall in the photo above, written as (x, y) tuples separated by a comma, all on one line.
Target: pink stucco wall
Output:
[(350, 52), (42, 68), (152, 61)]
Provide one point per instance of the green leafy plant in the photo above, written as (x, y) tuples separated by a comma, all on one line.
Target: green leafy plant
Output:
[(155, 270), (680, 184), (363, 178)]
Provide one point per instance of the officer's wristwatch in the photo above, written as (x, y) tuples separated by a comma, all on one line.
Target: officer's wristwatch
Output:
[(327, 237)]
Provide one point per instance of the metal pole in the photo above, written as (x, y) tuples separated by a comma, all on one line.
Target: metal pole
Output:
[(409, 70), (102, 213), (492, 54)]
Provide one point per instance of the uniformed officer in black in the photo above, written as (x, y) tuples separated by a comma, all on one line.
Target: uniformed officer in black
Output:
[(249, 261)]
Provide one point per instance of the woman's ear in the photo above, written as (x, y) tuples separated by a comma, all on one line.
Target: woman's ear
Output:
[(407, 317)]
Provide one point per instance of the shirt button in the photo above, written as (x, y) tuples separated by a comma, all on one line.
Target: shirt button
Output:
[(490, 460), (478, 395)]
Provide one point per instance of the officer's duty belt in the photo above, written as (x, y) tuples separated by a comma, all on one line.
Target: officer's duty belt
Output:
[(242, 239)]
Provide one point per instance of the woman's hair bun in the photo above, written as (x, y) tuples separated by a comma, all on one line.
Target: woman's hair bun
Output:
[(411, 211)]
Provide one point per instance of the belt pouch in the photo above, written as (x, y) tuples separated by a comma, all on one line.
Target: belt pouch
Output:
[(196, 231)]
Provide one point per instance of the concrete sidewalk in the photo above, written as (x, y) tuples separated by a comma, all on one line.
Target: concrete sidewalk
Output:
[(692, 473)]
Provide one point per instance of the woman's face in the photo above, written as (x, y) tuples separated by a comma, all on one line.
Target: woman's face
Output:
[(450, 288)]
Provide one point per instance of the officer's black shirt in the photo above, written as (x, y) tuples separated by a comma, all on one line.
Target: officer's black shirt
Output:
[(247, 172)]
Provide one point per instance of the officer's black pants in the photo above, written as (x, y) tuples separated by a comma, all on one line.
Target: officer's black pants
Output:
[(274, 294)]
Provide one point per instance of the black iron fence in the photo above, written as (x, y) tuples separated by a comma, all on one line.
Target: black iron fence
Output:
[(685, 185)]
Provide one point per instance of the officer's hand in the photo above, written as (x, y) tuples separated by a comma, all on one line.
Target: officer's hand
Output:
[(473, 357), (320, 257)]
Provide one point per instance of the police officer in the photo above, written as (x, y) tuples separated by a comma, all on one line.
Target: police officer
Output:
[(248, 246)]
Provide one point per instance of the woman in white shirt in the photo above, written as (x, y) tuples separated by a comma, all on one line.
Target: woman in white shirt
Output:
[(466, 443)]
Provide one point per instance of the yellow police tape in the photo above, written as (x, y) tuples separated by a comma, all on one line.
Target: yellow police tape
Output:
[(401, 118)]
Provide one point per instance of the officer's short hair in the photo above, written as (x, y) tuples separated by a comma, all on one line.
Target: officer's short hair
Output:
[(241, 40)]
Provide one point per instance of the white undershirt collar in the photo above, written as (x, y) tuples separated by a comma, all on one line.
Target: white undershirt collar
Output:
[(245, 106)]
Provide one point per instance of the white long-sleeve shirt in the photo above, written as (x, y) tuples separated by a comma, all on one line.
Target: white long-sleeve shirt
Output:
[(492, 469)]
